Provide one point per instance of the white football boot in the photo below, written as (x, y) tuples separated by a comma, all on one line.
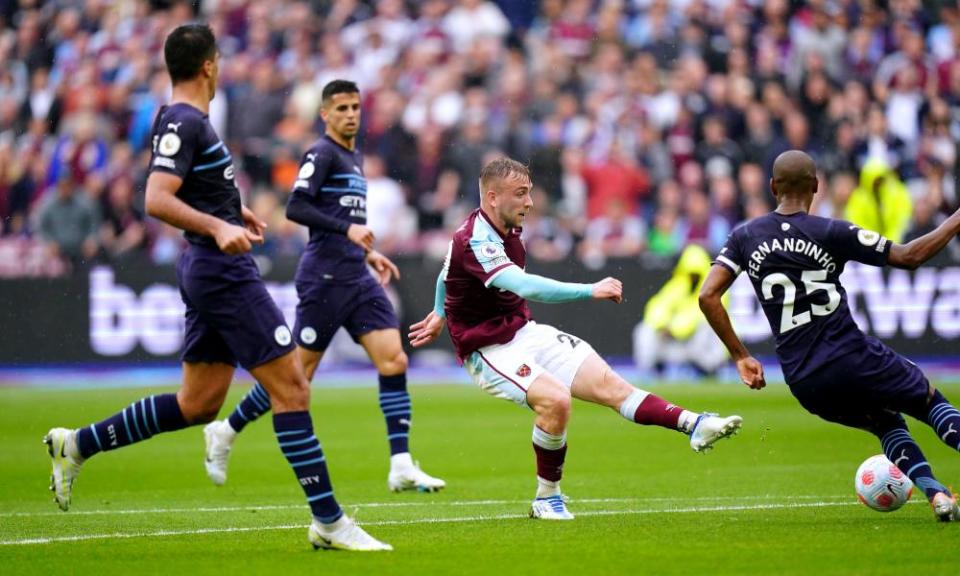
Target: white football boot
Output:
[(945, 508), (409, 476), (219, 437), (709, 428), (344, 534), (550, 508), (65, 457)]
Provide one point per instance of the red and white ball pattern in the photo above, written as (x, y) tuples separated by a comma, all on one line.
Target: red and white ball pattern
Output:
[(881, 485)]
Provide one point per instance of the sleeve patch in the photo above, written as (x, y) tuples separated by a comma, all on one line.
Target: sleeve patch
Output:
[(729, 263), (490, 255), (868, 237), (169, 144), (161, 162), (306, 171), (491, 250)]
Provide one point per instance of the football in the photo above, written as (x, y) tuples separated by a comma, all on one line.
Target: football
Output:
[(881, 485)]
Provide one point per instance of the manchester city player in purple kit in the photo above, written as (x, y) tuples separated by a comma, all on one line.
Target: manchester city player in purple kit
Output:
[(230, 317), (837, 372), (482, 294), (336, 289)]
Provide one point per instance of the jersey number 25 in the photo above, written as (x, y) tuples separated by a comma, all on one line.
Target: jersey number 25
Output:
[(811, 282)]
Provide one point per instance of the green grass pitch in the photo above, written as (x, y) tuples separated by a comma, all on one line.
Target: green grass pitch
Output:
[(777, 499)]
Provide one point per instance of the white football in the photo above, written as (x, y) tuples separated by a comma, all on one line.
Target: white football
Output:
[(881, 485)]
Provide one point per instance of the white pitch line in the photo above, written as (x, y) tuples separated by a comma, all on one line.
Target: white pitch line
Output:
[(487, 518), (267, 507)]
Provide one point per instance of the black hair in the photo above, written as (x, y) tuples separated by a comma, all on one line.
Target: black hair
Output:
[(186, 49), (338, 87)]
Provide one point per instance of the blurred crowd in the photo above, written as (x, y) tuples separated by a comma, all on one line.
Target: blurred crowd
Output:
[(648, 124)]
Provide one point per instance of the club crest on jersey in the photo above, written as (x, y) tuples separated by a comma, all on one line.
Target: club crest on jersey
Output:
[(308, 335), (306, 171), (282, 335), (523, 371), (169, 144)]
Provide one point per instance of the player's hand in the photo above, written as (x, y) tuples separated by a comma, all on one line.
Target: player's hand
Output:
[(608, 289), (232, 239), (253, 224), (426, 330), (361, 236), (386, 270), (751, 372)]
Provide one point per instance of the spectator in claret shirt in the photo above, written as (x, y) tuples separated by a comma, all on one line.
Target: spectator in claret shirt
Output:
[(616, 177)]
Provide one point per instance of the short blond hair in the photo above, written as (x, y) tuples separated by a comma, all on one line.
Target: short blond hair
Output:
[(501, 169)]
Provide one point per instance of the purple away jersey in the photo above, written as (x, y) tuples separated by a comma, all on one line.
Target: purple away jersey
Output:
[(332, 177), (230, 316), (794, 263), (185, 145), (477, 314)]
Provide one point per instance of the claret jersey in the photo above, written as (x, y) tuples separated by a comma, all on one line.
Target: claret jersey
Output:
[(794, 263), (478, 314)]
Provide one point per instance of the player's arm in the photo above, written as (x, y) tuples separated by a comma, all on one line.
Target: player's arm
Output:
[(302, 209), (162, 203), (427, 330), (542, 289), (384, 267), (914, 253), (718, 281)]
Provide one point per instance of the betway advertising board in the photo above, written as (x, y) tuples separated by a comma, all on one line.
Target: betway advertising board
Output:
[(106, 314)]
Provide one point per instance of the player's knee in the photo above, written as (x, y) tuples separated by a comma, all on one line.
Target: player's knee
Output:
[(199, 412), (556, 405), (394, 364), (613, 389), (293, 397)]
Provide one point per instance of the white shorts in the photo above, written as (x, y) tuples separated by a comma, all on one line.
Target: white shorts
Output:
[(507, 370)]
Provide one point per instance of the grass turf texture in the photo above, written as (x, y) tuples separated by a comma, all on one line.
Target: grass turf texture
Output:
[(777, 499)]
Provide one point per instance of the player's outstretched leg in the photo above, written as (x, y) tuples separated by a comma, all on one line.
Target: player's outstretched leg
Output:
[(69, 449), (945, 420), (220, 434), (598, 383), (903, 451), (704, 429)]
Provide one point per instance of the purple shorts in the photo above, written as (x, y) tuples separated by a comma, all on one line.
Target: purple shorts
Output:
[(864, 387), (360, 307), (231, 317)]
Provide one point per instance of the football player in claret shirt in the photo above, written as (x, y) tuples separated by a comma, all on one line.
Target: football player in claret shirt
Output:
[(230, 317), (794, 261), (481, 297), (336, 289)]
